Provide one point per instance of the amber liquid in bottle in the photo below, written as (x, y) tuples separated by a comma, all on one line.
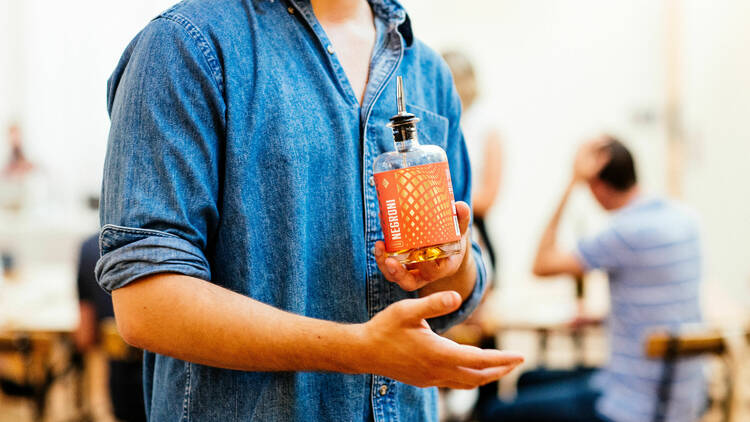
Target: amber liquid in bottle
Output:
[(423, 208)]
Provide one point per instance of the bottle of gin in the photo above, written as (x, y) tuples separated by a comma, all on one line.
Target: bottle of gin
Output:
[(415, 194)]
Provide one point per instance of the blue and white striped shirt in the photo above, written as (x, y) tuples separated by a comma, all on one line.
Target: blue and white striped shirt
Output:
[(651, 252)]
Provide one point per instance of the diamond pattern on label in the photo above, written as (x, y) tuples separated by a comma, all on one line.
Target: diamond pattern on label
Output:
[(417, 207)]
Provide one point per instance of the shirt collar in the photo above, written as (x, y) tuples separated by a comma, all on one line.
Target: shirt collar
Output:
[(389, 10), (392, 14)]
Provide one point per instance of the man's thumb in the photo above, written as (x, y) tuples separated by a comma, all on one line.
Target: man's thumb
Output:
[(434, 305), (463, 212)]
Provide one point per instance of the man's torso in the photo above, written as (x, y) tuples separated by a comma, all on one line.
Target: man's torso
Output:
[(298, 211)]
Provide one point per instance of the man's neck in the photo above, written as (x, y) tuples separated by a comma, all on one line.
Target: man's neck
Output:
[(340, 11), (626, 198)]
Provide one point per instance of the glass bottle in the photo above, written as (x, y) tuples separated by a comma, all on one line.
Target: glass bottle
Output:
[(415, 194)]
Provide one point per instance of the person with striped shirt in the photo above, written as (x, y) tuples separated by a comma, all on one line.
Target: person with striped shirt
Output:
[(651, 252)]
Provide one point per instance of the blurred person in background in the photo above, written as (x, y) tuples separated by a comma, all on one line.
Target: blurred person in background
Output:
[(240, 235), (95, 305), (483, 144), (22, 184), (18, 166), (15, 171), (652, 253)]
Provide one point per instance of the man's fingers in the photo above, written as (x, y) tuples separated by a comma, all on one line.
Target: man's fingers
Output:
[(468, 378), (464, 215), (456, 385), (603, 156), (431, 306), (391, 269), (479, 377), (474, 357), (437, 269), (394, 271)]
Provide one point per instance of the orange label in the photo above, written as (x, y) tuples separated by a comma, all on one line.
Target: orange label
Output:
[(417, 207)]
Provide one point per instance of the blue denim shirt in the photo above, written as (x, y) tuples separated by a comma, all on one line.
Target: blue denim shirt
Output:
[(239, 154)]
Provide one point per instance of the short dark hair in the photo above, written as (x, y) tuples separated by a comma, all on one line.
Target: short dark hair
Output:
[(619, 173)]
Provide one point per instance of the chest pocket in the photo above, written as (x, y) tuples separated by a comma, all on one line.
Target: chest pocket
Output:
[(432, 128)]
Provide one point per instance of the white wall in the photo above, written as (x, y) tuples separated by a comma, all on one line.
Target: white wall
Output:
[(716, 81), (8, 68), (63, 53), (558, 71)]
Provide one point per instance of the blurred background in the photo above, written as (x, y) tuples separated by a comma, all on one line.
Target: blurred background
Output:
[(668, 77)]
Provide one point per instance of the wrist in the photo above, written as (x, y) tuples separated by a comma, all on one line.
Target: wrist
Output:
[(462, 281), (355, 356)]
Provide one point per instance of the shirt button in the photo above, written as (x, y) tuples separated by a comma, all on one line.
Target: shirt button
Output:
[(383, 390), (330, 49), (290, 10), (372, 181)]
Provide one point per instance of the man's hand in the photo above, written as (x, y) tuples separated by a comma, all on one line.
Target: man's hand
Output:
[(399, 344), (591, 158), (416, 276)]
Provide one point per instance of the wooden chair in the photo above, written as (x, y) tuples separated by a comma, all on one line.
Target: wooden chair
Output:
[(29, 370), (671, 347)]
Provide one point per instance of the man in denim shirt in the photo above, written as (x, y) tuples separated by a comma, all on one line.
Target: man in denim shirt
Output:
[(240, 237)]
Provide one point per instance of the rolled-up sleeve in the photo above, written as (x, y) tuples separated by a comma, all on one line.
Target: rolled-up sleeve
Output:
[(129, 254), (161, 178), (458, 159)]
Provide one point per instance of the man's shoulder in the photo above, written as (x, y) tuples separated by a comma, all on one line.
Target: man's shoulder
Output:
[(209, 13), (204, 22), (654, 222)]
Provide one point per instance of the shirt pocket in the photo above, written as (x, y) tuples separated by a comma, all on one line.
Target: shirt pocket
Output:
[(432, 128)]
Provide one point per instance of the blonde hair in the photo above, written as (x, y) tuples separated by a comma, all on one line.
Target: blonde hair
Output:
[(464, 76)]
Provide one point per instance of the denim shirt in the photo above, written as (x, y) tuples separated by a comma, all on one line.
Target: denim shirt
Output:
[(239, 154)]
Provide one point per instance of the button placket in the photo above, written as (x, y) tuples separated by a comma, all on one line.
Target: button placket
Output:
[(383, 390)]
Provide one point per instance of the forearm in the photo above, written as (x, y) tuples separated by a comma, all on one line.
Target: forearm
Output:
[(488, 186), (481, 202), (197, 321), (548, 242)]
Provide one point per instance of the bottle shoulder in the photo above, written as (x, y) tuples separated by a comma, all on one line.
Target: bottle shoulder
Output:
[(423, 154)]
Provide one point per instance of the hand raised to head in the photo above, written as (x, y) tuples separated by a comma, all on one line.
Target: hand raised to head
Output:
[(590, 159)]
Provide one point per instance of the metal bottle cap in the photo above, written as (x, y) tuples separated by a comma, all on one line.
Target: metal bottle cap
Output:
[(403, 123)]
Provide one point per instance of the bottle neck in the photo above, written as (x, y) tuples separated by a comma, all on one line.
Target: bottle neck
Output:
[(406, 144)]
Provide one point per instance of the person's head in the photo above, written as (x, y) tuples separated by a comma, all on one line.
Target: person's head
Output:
[(463, 76), (616, 183), (15, 141)]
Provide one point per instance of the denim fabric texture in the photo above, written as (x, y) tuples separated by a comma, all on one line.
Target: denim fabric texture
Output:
[(239, 154)]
